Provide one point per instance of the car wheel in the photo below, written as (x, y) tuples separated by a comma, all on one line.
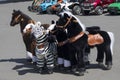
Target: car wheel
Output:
[(76, 10), (99, 10)]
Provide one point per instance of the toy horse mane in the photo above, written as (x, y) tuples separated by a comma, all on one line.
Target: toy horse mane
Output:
[(93, 29), (18, 12), (21, 14)]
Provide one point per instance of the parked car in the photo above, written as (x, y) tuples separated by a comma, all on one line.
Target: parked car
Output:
[(46, 6), (95, 6), (72, 7), (114, 8), (35, 5)]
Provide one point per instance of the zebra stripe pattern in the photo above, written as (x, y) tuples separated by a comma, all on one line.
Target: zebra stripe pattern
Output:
[(45, 55)]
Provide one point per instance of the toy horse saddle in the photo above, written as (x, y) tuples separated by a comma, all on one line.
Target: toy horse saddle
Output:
[(95, 39)]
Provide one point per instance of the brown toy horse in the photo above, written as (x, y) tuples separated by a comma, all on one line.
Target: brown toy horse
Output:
[(19, 17)]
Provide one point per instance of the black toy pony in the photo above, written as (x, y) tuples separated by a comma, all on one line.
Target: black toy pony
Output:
[(104, 45), (77, 40)]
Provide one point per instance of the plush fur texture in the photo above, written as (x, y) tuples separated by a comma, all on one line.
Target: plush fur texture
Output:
[(76, 48), (19, 17), (62, 50), (104, 49)]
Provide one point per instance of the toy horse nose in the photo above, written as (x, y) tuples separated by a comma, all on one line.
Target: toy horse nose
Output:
[(11, 24)]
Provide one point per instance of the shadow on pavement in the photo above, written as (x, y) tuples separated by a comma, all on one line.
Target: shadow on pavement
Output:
[(23, 67)]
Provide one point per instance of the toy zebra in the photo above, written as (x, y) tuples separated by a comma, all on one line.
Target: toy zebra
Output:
[(44, 49)]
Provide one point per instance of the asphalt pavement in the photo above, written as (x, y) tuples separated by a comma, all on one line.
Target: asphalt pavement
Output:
[(13, 65)]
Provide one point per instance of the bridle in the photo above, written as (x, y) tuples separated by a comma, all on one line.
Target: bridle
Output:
[(74, 38), (64, 26), (69, 19), (17, 18)]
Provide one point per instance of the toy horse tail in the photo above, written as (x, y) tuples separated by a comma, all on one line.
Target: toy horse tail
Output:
[(112, 41)]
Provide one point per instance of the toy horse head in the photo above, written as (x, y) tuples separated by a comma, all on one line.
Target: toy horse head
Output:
[(67, 18), (64, 19), (16, 17)]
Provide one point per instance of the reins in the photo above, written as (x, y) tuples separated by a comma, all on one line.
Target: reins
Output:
[(74, 38)]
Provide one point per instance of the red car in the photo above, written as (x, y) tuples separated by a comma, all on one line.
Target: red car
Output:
[(96, 6)]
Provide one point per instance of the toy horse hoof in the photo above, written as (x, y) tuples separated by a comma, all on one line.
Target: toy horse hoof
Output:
[(40, 70), (79, 73), (100, 64), (82, 71), (108, 67), (50, 71)]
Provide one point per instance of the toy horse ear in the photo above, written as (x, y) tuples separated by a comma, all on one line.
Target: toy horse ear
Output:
[(52, 22), (14, 10), (19, 11), (58, 14)]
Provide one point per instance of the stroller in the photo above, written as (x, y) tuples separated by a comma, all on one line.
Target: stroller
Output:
[(35, 5)]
